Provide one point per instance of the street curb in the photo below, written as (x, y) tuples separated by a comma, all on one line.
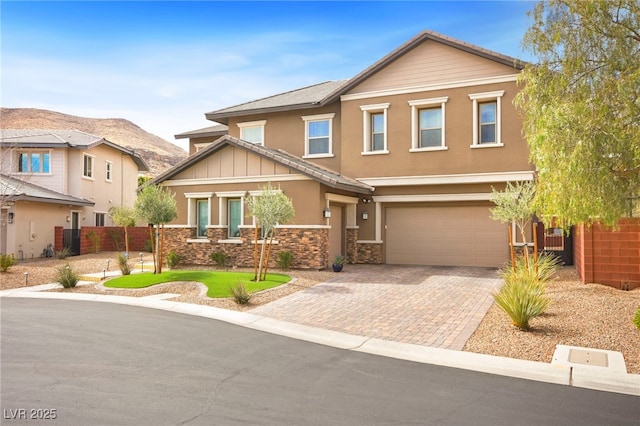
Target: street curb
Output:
[(588, 378)]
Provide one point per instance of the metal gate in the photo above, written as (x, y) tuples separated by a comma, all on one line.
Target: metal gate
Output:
[(71, 241)]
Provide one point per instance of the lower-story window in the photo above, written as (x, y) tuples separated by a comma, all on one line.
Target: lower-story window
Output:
[(202, 217), (100, 219), (235, 217)]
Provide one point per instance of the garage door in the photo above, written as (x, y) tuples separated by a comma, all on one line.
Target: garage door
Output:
[(456, 236)]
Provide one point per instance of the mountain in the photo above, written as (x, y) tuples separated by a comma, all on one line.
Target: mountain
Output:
[(157, 152)]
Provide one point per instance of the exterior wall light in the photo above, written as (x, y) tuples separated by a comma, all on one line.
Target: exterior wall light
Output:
[(326, 213), (10, 218), (365, 215)]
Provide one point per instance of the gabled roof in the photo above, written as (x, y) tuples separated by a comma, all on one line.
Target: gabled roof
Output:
[(322, 175), (217, 130), (324, 93), (75, 139), (14, 189)]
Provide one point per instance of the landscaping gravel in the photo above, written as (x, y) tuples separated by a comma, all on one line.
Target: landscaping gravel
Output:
[(585, 315)]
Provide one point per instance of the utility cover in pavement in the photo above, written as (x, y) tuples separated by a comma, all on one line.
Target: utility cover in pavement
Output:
[(582, 356)]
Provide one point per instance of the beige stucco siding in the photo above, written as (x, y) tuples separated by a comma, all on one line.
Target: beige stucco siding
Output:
[(33, 228), (458, 158), (432, 63)]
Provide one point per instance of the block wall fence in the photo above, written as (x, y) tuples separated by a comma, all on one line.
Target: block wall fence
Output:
[(606, 256), (111, 238)]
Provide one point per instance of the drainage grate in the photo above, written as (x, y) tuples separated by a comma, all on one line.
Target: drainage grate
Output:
[(587, 357)]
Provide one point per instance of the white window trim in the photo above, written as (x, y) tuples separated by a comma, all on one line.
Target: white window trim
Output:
[(367, 110), (108, 171), (486, 97), (261, 124), (93, 166), (319, 117), (192, 208), (416, 105), (223, 209), (31, 151)]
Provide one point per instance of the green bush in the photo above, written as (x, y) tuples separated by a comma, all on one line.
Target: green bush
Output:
[(636, 318), (123, 264), (220, 259), (94, 237), (240, 293), (147, 246), (522, 295), (6, 262), (64, 253), (67, 277), (284, 261), (173, 259)]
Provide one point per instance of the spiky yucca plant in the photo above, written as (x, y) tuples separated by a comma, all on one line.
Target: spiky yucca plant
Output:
[(67, 277), (522, 296)]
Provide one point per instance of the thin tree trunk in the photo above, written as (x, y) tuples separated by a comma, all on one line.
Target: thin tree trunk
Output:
[(153, 246), (161, 251), (255, 255), (266, 266), (126, 240), (157, 267), (260, 262), (535, 245), (513, 255)]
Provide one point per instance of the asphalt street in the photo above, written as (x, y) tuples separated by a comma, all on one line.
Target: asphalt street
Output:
[(90, 363)]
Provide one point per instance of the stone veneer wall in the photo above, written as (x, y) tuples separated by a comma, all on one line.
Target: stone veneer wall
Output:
[(610, 257), (309, 246), (370, 253)]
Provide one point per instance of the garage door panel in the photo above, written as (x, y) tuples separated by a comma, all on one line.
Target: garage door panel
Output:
[(456, 236)]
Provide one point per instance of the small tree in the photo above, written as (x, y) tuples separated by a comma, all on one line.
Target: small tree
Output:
[(514, 205), (126, 217), (271, 207), (156, 206)]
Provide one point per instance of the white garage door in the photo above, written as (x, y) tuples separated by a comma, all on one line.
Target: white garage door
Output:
[(456, 236)]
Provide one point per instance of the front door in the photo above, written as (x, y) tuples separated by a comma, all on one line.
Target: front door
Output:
[(336, 234)]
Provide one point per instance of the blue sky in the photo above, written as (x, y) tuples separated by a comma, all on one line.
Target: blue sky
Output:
[(163, 64)]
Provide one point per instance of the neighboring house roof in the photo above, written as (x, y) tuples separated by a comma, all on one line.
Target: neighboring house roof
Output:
[(330, 91), (14, 189), (217, 130), (322, 175), (42, 138)]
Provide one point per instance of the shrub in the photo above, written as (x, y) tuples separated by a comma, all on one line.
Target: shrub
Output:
[(284, 261), (147, 246), (67, 277), (123, 264), (219, 258), (64, 253), (6, 262), (636, 319), (522, 295), (240, 293), (117, 236), (95, 240), (173, 259)]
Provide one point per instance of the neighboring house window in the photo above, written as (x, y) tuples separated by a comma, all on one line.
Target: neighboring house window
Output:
[(374, 118), (34, 162), (486, 119), (252, 131), (318, 135), (235, 217), (202, 217), (87, 168), (100, 219), (428, 124), (108, 171)]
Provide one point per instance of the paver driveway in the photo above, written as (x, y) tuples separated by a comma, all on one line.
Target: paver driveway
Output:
[(424, 305)]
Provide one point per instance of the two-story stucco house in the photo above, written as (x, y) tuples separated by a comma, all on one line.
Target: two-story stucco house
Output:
[(60, 178), (395, 165)]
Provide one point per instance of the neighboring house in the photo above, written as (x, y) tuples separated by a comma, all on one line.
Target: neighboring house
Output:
[(60, 178), (395, 165)]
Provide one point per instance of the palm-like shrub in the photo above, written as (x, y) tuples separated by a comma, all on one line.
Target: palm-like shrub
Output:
[(123, 264), (522, 295), (67, 277)]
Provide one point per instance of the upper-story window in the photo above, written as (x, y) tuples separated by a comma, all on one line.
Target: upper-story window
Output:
[(487, 130), (318, 135), (428, 124), (252, 131), (374, 118), (87, 166), (108, 171), (34, 162)]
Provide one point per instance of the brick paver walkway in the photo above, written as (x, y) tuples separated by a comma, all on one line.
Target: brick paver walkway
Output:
[(431, 306)]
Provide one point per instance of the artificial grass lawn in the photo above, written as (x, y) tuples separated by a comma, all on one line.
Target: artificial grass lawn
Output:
[(217, 282)]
